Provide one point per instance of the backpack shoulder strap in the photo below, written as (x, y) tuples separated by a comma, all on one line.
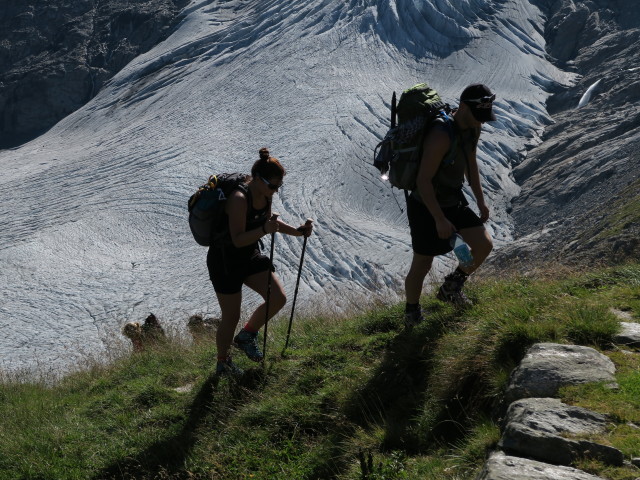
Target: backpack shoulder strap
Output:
[(441, 122), (445, 121), (247, 194), (447, 124), (243, 187)]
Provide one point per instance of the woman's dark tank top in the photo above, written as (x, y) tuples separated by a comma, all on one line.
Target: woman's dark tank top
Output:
[(256, 217)]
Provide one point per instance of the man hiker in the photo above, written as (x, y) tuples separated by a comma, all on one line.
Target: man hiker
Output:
[(438, 209)]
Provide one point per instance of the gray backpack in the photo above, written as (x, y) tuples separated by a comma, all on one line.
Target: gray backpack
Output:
[(206, 206)]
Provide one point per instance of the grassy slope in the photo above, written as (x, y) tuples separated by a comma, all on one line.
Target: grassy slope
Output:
[(350, 396), (625, 212)]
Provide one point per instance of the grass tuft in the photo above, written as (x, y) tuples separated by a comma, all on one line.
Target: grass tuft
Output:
[(592, 325)]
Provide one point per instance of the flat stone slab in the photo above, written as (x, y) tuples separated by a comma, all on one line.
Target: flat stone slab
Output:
[(503, 467), (548, 430), (629, 335), (548, 366)]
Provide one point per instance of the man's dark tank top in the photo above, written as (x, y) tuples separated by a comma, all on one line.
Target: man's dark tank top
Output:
[(449, 178)]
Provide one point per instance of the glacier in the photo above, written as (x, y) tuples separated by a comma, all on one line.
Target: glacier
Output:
[(93, 225)]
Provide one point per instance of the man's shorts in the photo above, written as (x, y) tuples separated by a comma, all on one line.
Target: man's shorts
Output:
[(229, 267), (424, 234)]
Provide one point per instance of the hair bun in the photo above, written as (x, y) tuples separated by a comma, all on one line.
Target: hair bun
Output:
[(267, 166), (264, 153)]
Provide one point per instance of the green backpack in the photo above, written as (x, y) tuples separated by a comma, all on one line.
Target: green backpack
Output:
[(399, 153)]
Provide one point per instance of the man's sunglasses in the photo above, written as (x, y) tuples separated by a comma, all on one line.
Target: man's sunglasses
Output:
[(270, 185), (485, 99)]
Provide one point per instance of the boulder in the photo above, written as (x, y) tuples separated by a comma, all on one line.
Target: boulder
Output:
[(548, 366), (503, 467), (548, 430), (629, 335), (203, 329)]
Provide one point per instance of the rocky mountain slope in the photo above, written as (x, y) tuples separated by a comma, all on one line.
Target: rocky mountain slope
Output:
[(55, 56), (579, 197), (580, 201)]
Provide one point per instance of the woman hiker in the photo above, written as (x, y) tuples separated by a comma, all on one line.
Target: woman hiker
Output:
[(236, 260)]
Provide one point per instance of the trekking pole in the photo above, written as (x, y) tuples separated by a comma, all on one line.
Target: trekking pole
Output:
[(295, 293), (266, 320)]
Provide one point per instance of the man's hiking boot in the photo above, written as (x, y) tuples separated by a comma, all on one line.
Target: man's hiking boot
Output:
[(413, 318), (228, 368), (248, 343), (451, 290)]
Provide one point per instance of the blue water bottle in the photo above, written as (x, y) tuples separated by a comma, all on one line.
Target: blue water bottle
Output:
[(462, 250)]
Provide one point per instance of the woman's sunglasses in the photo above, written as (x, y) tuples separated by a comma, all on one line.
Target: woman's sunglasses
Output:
[(272, 186)]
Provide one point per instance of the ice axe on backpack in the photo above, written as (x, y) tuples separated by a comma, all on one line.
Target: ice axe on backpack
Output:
[(295, 293), (274, 217)]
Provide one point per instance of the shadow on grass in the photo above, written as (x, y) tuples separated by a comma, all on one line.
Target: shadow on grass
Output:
[(396, 391), (394, 394), (166, 458)]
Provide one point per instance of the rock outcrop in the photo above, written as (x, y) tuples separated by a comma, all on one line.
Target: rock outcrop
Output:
[(548, 366), (504, 467), (56, 56), (542, 437), (629, 335), (550, 431)]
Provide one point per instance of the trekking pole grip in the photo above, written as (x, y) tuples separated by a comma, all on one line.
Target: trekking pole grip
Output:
[(303, 229)]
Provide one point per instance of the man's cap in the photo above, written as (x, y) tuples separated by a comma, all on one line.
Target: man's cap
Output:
[(480, 99)]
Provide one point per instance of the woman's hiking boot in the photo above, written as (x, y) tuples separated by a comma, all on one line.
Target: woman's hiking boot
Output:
[(451, 290), (248, 343), (226, 367)]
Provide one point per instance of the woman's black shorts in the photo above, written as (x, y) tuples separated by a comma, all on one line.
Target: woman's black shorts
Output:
[(424, 234), (229, 267)]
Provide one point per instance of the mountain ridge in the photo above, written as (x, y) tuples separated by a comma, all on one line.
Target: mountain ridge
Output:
[(56, 56), (579, 187)]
